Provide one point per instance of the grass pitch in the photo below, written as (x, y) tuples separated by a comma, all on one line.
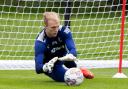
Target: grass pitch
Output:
[(28, 79)]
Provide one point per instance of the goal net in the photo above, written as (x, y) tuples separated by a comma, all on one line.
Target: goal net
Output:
[(95, 25)]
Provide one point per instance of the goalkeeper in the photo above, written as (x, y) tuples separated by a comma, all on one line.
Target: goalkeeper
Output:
[(54, 47)]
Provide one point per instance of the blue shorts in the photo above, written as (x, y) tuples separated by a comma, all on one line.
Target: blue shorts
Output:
[(59, 71)]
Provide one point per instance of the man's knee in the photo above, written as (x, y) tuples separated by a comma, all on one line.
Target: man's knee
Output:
[(70, 64)]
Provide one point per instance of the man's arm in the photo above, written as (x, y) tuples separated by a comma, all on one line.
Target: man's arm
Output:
[(39, 56), (69, 42), (71, 56)]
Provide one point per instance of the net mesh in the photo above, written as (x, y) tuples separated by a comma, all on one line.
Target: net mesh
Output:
[(95, 25)]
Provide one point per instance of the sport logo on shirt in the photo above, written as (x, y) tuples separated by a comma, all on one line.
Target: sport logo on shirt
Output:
[(67, 30), (56, 49)]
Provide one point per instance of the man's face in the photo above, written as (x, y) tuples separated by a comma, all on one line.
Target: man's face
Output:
[(52, 28)]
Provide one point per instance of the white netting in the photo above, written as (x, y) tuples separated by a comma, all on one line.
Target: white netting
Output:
[(95, 25)]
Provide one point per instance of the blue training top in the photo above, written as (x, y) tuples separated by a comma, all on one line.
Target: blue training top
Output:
[(46, 48)]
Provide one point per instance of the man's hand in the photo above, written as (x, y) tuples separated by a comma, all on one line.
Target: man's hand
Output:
[(48, 67), (68, 57)]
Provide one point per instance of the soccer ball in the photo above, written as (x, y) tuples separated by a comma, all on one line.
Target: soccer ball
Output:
[(73, 76)]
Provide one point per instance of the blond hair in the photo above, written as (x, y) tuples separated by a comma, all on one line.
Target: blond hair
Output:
[(50, 16)]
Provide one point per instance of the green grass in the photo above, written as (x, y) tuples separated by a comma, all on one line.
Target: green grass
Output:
[(28, 79)]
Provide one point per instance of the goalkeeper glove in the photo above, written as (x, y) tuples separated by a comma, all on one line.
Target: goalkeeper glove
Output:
[(48, 67), (68, 57)]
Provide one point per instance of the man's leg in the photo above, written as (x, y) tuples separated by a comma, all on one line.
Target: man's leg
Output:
[(57, 73), (70, 64)]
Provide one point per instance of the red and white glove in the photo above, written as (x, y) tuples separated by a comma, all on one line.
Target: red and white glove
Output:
[(48, 67), (68, 57)]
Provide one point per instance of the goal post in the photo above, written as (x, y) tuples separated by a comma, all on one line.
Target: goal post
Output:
[(94, 24), (120, 73)]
